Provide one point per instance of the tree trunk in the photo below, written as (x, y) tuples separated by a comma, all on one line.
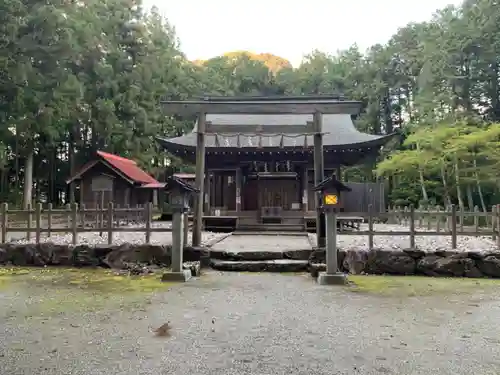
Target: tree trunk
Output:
[(422, 185), (3, 190), (478, 185), (495, 92), (16, 162), (28, 178), (457, 182), (447, 199), (71, 160), (389, 127), (52, 174), (422, 181), (470, 199)]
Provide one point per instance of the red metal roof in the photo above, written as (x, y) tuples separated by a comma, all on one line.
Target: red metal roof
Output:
[(186, 176), (157, 185), (129, 168)]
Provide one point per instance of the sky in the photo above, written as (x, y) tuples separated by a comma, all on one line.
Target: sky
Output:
[(287, 28)]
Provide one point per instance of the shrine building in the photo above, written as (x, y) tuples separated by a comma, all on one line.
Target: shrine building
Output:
[(259, 167)]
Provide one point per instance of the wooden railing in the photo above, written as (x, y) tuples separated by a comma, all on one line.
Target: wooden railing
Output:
[(451, 222), (74, 219), (436, 217)]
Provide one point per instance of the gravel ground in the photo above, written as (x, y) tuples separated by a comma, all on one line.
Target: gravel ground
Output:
[(245, 242), (157, 238), (426, 243), (264, 324)]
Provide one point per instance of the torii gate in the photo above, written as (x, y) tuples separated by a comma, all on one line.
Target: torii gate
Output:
[(315, 105)]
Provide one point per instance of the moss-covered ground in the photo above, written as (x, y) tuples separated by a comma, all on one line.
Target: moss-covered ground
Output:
[(60, 290), (409, 286), (54, 291)]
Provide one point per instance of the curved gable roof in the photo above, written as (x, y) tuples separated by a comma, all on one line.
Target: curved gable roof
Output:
[(125, 167), (339, 132)]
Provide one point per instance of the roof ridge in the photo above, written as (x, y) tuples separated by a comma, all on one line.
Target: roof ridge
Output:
[(107, 155), (250, 98)]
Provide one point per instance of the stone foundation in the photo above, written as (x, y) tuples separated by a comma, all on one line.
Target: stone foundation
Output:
[(412, 262), (355, 261), (126, 256)]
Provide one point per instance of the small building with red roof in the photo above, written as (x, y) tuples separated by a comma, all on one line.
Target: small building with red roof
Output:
[(112, 178)]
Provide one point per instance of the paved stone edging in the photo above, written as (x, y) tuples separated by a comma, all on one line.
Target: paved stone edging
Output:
[(377, 261), (303, 254), (414, 262), (274, 265), (213, 241)]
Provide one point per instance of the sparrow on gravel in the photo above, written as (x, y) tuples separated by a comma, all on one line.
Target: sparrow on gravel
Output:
[(163, 330)]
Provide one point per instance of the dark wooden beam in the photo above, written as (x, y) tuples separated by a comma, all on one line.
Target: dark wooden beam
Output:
[(261, 98), (191, 107), (319, 176), (228, 159), (307, 128), (200, 179), (238, 181)]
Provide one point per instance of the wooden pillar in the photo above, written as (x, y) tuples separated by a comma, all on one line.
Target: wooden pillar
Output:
[(259, 202), (177, 241), (82, 196), (305, 189), (126, 198), (208, 191), (238, 189), (319, 175), (185, 228), (200, 179)]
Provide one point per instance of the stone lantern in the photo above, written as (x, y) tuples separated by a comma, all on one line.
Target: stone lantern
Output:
[(180, 192), (331, 191)]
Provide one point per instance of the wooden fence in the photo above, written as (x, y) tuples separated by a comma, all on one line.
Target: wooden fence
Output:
[(420, 222), (364, 194), (74, 219), (437, 222), (436, 217)]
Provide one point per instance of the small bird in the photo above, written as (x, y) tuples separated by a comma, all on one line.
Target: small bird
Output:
[(213, 322), (164, 330)]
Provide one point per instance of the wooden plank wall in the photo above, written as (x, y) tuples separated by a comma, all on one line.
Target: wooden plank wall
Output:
[(362, 195)]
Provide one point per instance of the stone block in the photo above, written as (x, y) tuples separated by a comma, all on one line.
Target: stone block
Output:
[(183, 276), (194, 267), (391, 262), (332, 279)]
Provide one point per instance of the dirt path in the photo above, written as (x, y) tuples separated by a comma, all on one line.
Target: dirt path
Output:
[(264, 324)]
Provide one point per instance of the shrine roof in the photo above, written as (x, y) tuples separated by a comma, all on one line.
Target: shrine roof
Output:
[(126, 168), (331, 181), (339, 132)]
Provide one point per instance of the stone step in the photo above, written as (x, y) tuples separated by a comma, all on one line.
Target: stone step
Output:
[(298, 254), (248, 232), (277, 265), (270, 227)]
